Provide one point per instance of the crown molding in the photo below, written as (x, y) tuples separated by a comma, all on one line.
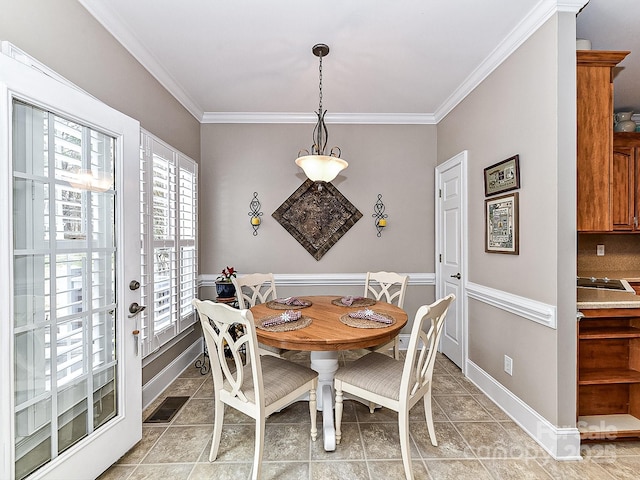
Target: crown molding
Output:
[(521, 32), (544, 10), (104, 15), (331, 118), (571, 6)]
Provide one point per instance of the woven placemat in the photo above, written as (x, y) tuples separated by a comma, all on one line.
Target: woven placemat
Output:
[(283, 306), (363, 302), (363, 323), (284, 327)]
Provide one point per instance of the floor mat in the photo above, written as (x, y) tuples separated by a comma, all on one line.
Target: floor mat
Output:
[(166, 410)]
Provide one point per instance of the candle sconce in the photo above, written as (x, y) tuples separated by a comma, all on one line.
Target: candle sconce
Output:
[(255, 213), (379, 215)]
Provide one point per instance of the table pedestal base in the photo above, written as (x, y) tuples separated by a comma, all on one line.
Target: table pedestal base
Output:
[(328, 425), (326, 364)]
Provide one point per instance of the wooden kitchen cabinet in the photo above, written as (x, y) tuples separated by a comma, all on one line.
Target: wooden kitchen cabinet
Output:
[(609, 374), (626, 182), (594, 82)]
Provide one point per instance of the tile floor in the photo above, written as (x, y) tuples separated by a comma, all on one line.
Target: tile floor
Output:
[(476, 440)]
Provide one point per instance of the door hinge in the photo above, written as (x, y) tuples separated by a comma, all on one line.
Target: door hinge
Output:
[(440, 192), (440, 258)]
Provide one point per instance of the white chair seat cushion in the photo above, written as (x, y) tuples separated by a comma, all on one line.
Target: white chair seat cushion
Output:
[(374, 372), (279, 377)]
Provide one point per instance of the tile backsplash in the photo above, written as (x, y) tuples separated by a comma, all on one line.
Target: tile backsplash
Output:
[(622, 252)]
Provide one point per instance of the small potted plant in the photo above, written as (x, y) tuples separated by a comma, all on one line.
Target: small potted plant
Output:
[(224, 287)]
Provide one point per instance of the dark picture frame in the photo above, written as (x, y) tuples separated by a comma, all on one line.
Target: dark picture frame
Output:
[(502, 177), (502, 223)]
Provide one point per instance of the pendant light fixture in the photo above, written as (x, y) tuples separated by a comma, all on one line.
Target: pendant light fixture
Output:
[(318, 166)]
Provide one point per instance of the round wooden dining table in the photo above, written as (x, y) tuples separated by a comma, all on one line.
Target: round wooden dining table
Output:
[(324, 338)]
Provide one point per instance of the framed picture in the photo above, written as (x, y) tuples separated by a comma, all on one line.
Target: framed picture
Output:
[(502, 177), (501, 224)]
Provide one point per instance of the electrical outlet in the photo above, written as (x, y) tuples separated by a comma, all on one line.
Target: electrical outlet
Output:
[(600, 250), (508, 365)]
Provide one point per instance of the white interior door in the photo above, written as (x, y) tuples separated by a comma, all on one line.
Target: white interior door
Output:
[(451, 252), (70, 370)]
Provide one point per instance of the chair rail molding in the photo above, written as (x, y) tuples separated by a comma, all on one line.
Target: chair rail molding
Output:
[(533, 310), (320, 279)]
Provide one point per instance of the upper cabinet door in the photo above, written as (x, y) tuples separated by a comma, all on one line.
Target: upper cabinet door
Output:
[(622, 189), (626, 181), (594, 86)]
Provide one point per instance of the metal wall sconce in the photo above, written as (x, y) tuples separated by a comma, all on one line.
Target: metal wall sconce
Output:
[(255, 213), (379, 215)]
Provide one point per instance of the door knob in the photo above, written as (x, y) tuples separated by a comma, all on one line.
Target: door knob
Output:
[(135, 309), (457, 275)]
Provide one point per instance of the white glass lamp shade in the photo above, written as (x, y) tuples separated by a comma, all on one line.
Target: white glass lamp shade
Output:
[(321, 168)]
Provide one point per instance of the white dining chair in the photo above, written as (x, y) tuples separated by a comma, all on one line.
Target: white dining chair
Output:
[(253, 289), (389, 287), (257, 387), (398, 385)]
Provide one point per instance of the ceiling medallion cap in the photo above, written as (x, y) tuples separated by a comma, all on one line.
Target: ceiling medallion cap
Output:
[(320, 50)]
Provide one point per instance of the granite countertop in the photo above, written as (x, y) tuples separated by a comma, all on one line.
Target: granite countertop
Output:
[(597, 298), (589, 298)]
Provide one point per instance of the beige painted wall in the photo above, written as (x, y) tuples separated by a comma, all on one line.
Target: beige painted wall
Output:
[(65, 37), (515, 111), (396, 161)]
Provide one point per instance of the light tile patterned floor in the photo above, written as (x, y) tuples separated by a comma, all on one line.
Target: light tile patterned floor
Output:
[(476, 440)]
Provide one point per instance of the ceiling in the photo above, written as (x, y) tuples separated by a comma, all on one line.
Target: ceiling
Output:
[(390, 61)]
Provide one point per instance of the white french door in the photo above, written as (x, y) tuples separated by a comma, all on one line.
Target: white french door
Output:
[(70, 366)]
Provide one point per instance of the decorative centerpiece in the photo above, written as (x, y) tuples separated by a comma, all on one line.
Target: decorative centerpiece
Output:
[(224, 287)]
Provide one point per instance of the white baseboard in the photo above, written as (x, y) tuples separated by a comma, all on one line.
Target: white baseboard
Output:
[(154, 387), (562, 443)]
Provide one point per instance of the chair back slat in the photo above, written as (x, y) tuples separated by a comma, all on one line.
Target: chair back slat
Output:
[(231, 341), (386, 286), (419, 362), (254, 289)]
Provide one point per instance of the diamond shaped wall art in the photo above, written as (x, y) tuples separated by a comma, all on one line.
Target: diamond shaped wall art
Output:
[(317, 217)]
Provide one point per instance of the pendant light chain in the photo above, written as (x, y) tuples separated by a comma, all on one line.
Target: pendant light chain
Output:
[(320, 70), (319, 166)]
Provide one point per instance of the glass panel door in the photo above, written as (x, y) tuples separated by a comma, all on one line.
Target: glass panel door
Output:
[(64, 277), (69, 364)]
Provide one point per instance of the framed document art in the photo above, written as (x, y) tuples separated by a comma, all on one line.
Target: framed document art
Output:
[(501, 224), (502, 177)]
